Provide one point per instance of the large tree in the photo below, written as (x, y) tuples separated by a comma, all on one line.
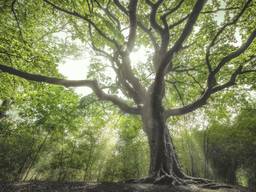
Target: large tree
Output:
[(196, 49)]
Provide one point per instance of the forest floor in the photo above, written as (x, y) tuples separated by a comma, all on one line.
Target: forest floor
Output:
[(104, 187)]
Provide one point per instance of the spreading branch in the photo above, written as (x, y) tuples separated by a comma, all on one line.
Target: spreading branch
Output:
[(125, 67), (87, 19), (236, 53), (93, 84), (220, 31), (213, 88), (159, 79)]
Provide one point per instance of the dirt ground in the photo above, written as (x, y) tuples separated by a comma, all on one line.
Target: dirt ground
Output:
[(104, 187)]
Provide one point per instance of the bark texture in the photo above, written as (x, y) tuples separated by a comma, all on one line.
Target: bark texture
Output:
[(164, 166), (252, 183)]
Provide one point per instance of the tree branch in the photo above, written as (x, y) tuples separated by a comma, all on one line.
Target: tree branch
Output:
[(171, 26), (140, 24), (178, 93), (109, 14), (159, 79), (17, 20), (85, 18), (248, 71), (209, 91), (211, 87), (175, 8), (221, 30), (236, 53), (189, 107), (93, 84), (231, 81), (220, 9), (133, 24), (154, 8)]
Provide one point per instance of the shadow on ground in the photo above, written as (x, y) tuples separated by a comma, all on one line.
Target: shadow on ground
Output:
[(104, 187)]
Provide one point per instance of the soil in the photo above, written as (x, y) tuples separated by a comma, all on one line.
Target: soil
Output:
[(101, 187)]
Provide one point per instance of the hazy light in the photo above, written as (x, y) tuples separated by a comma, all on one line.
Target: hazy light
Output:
[(140, 56), (76, 69)]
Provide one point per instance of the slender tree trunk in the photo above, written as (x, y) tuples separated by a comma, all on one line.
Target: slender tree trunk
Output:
[(231, 174), (252, 183), (33, 160), (205, 143), (190, 152)]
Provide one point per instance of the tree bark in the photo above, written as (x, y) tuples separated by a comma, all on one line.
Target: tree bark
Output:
[(252, 183), (164, 166)]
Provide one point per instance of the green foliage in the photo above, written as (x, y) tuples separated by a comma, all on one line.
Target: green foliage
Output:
[(232, 145), (47, 134), (129, 157)]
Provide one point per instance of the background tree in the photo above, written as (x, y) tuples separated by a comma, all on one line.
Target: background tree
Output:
[(186, 40), (231, 147)]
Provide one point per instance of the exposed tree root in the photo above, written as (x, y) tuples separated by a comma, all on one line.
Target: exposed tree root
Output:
[(165, 179), (196, 180), (141, 180), (176, 181), (215, 186), (168, 180)]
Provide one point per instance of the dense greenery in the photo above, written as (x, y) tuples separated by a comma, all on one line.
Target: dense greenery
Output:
[(203, 55), (63, 145)]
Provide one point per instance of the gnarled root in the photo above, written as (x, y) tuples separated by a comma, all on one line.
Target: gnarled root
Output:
[(196, 180), (148, 179), (168, 179), (215, 186), (165, 179)]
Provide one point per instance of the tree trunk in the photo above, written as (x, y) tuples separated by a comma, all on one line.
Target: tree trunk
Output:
[(164, 166), (231, 173), (252, 183)]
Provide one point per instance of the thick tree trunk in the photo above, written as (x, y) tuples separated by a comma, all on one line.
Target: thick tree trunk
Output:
[(163, 158)]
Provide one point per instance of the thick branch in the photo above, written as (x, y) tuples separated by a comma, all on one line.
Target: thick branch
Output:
[(159, 79), (139, 23), (133, 24), (201, 101), (187, 29), (72, 83), (154, 8), (120, 6), (236, 53), (158, 86), (210, 91), (125, 67), (123, 79), (190, 107)]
